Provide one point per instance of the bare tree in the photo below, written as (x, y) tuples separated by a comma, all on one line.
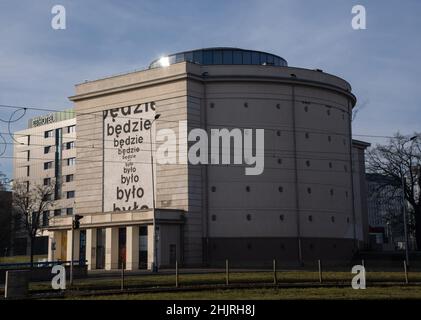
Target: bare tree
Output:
[(5, 215), (30, 202), (401, 157)]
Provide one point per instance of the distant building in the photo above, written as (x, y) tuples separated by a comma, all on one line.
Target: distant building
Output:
[(46, 154), (384, 212)]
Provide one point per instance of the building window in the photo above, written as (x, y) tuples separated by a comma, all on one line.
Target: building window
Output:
[(328, 112), (281, 217), (47, 149), (246, 105), (212, 105), (248, 188), (331, 192), (27, 171), (48, 134), (346, 194), (69, 211), (347, 220), (308, 163), (306, 109), (213, 188), (248, 246), (309, 190), (57, 212), (214, 217), (71, 129), (307, 135), (329, 138), (330, 165), (48, 165), (29, 140), (279, 161), (281, 189), (70, 194), (70, 145), (278, 106), (278, 133), (27, 186), (248, 217), (71, 161), (345, 168), (332, 218), (310, 218), (69, 178), (47, 181), (28, 155)]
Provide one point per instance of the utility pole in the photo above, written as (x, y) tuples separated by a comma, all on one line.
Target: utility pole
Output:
[(155, 246)]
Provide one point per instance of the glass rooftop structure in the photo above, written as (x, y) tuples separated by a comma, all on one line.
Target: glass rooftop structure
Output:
[(223, 55)]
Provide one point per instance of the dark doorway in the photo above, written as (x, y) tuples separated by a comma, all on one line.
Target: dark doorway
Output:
[(82, 247), (173, 254), (143, 247), (100, 248), (122, 247)]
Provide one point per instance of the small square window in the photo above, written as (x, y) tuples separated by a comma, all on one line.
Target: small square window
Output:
[(48, 134), (48, 165), (47, 149), (71, 129), (69, 177), (70, 194), (69, 145), (47, 181), (71, 161), (69, 211)]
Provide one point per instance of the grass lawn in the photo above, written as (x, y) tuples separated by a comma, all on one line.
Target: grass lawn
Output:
[(395, 292), (149, 280), (21, 259)]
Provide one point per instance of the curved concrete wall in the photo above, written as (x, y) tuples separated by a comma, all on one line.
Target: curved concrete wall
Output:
[(302, 203)]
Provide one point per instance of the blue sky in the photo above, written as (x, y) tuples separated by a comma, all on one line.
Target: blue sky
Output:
[(39, 66)]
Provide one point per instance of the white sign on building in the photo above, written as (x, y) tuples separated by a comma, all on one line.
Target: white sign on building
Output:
[(127, 157)]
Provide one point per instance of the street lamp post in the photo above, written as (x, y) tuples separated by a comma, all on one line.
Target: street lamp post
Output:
[(155, 246)]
